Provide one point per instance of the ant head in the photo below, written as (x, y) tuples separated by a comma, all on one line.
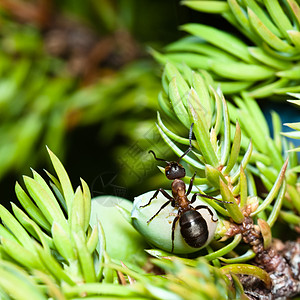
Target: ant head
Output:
[(174, 170)]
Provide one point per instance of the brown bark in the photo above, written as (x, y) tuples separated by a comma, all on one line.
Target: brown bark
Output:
[(281, 261)]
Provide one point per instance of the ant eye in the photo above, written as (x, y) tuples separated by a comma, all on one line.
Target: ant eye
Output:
[(168, 172)]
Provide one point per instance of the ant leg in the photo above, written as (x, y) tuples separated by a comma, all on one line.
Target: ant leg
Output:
[(208, 197), (155, 195), (161, 208), (191, 184), (173, 231), (194, 197), (206, 207)]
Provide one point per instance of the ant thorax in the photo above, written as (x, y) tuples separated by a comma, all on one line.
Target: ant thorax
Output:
[(178, 188), (179, 193)]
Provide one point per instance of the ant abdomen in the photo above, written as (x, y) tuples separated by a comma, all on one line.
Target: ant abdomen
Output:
[(193, 228)]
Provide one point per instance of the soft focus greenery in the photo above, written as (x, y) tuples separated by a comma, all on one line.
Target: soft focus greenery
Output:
[(50, 87)]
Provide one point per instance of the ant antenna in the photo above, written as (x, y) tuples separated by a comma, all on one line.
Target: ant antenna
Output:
[(190, 147), (150, 151)]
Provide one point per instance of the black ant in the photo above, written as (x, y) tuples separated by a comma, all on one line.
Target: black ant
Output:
[(193, 227)]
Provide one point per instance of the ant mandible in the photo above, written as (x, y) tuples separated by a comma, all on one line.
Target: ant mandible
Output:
[(193, 226)]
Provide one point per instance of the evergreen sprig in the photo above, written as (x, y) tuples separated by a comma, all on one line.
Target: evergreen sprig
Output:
[(49, 250), (267, 65), (228, 153)]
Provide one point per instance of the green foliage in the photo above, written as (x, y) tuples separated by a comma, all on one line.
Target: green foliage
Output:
[(296, 126), (232, 145), (67, 258), (265, 65)]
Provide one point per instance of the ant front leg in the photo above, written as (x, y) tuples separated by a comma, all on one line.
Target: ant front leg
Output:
[(161, 208), (191, 184), (206, 207), (155, 195)]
